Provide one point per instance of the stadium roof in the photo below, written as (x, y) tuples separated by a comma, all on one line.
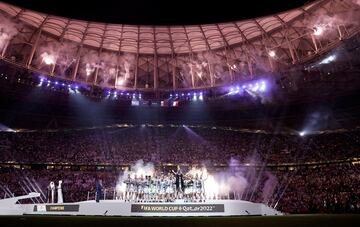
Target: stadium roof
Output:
[(160, 39), (173, 57)]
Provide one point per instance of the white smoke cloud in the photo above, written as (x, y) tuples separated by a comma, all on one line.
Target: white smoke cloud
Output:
[(60, 53), (221, 183), (139, 169), (269, 187), (8, 29), (356, 2)]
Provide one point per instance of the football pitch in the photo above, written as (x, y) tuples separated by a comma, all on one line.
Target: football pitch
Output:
[(317, 220)]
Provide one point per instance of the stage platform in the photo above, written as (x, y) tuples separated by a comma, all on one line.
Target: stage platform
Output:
[(122, 208)]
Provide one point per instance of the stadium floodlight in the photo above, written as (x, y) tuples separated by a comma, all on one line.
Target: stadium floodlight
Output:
[(201, 97), (302, 133), (328, 59), (56, 83), (255, 88), (262, 86), (272, 53)]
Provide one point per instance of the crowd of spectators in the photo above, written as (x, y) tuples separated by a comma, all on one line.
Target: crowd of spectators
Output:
[(326, 188), (174, 145)]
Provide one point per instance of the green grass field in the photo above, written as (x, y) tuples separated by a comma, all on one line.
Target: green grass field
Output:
[(342, 220)]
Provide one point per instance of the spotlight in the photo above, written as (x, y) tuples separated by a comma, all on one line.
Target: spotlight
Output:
[(255, 88), (262, 86), (56, 83), (302, 133), (76, 87), (170, 95), (63, 84), (272, 53)]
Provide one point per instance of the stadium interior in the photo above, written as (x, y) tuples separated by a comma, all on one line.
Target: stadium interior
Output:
[(267, 106)]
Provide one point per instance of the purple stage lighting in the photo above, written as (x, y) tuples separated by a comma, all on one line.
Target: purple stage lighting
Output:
[(262, 86), (201, 98), (255, 88)]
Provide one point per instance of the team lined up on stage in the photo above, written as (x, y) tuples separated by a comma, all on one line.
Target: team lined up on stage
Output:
[(164, 187)]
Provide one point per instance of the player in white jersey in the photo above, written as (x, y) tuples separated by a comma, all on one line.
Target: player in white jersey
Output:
[(147, 188), (188, 189), (198, 187), (127, 188), (140, 187), (169, 188), (162, 188)]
